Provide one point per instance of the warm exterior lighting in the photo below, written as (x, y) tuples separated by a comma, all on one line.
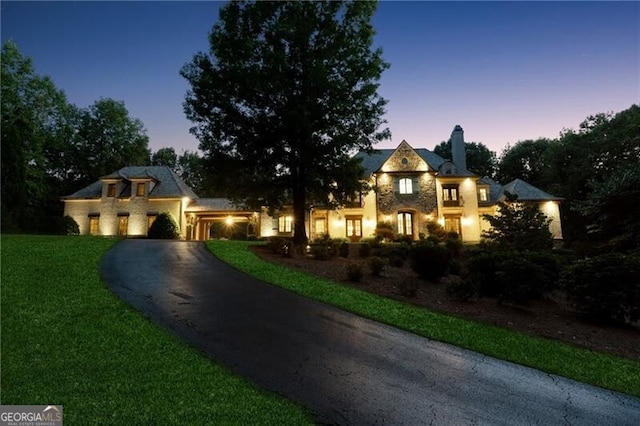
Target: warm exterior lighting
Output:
[(441, 221), (465, 221), (387, 218), (383, 178), (229, 221)]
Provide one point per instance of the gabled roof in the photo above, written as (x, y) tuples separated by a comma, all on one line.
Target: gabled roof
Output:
[(495, 189), (214, 204), (168, 184), (526, 192), (373, 162)]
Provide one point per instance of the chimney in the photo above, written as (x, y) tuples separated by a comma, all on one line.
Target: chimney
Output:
[(458, 153)]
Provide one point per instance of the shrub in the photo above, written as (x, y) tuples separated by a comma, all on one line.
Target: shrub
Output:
[(354, 272), (508, 275), (69, 226), (344, 249), (462, 289), (377, 265), (605, 287), (430, 261), (164, 227), (434, 229), (396, 261), (364, 250), (396, 250), (320, 251), (453, 244), (384, 231)]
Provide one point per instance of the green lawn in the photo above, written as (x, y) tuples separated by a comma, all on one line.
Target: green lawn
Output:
[(67, 340), (547, 355)]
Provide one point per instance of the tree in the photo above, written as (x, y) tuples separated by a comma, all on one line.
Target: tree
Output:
[(165, 157), (109, 139), (37, 127), (284, 98), (527, 160), (191, 168), (518, 226), (480, 159)]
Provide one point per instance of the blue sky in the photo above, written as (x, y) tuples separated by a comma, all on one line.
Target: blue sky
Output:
[(505, 71)]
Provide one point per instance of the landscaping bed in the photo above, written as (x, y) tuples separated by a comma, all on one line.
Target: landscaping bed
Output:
[(549, 317)]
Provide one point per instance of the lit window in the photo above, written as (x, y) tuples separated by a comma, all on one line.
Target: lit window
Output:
[(405, 221), (354, 227), (285, 223), (450, 196), (484, 196), (406, 186), (140, 190), (94, 225), (111, 190), (320, 226)]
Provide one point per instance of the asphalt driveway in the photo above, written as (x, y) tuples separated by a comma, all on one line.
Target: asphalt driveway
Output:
[(346, 369)]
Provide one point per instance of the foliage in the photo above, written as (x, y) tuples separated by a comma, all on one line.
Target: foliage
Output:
[(605, 287), (480, 159), (165, 157), (462, 289), (285, 95), (70, 226), (434, 229), (384, 231), (396, 261), (164, 227), (511, 276), (519, 226), (192, 170), (354, 272), (608, 209), (343, 251), (364, 250), (527, 160), (377, 265), (429, 260)]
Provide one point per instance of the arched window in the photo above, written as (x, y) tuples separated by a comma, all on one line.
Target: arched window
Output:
[(405, 186), (405, 223)]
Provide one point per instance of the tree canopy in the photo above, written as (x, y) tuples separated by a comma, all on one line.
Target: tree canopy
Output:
[(51, 148), (285, 96), (480, 159)]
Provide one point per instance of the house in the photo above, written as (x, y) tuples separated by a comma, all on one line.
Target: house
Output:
[(412, 187)]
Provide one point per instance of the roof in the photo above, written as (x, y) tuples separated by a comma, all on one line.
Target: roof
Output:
[(372, 162), (526, 192), (168, 183), (495, 189), (217, 204)]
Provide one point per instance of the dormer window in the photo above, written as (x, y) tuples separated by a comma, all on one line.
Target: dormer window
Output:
[(141, 190), (111, 190), (483, 195)]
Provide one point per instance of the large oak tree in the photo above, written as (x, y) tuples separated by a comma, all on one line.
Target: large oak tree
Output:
[(285, 96)]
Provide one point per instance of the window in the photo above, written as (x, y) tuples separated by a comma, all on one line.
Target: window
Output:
[(140, 190), (405, 223), (94, 225), (452, 224), (354, 201), (450, 195), (406, 186), (483, 195), (284, 223), (123, 225), (354, 226), (320, 227), (111, 190)]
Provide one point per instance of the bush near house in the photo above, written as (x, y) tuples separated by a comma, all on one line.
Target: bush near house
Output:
[(354, 272), (69, 226), (377, 265), (605, 287), (164, 228), (429, 260)]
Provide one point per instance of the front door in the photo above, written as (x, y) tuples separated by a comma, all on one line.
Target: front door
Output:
[(123, 225), (452, 224)]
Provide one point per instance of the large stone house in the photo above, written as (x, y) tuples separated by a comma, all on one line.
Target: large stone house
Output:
[(411, 188)]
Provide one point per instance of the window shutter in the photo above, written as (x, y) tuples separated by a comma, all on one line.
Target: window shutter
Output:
[(414, 182), (396, 185)]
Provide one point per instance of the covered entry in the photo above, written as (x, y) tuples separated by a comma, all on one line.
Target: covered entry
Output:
[(214, 218)]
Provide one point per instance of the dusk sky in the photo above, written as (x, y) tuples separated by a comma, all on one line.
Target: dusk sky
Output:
[(505, 71)]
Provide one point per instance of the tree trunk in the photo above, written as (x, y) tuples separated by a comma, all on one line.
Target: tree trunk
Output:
[(299, 214)]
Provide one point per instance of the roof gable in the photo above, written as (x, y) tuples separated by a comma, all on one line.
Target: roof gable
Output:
[(168, 184), (404, 159), (526, 192), (374, 161)]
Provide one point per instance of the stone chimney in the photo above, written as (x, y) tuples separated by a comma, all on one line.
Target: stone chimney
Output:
[(458, 154)]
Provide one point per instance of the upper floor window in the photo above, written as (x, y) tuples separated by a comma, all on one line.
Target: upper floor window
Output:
[(354, 201), (483, 194), (111, 190), (140, 190), (450, 195), (405, 186)]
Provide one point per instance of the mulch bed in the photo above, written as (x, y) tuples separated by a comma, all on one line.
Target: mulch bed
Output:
[(550, 317)]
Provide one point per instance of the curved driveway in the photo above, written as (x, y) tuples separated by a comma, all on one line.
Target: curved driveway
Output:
[(346, 369)]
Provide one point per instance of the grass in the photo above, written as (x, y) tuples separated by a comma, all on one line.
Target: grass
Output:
[(67, 340), (554, 357)]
